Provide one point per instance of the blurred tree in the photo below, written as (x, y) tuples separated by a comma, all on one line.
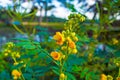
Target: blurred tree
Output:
[(109, 7), (44, 5)]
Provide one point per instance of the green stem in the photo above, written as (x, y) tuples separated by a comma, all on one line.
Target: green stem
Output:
[(119, 72), (18, 29), (21, 74)]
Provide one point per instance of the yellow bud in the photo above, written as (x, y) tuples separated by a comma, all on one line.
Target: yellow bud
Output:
[(21, 61), (74, 51), (75, 39), (82, 18), (15, 77), (8, 51), (95, 36), (24, 65), (73, 34), (6, 54), (63, 47), (63, 32), (115, 41), (109, 77), (68, 38), (10, 44), (62, 76), (90, 55), (16, 63), (63, 56), (69, 50), (17, 55), (117, 64)]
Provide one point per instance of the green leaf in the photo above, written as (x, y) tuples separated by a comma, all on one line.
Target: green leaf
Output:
[(27, 76), (56, 70), (4, 75), (84, 72), (70, 76), (21, 44), (29, 46), (76, 68)]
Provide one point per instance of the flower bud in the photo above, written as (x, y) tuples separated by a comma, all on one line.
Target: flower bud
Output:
[(62, 76), (16, 63), (74, 51), (63, 47), (73, 34), (6, 54), (17, 55), (117, 64), (75, 39), (63, 56)]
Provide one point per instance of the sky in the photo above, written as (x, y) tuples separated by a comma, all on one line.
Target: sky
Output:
[(59, 11)]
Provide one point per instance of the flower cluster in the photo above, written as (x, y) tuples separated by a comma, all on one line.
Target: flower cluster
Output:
[(16, 74), (8, 48), (67, 41), (67, 38), (15, 55)]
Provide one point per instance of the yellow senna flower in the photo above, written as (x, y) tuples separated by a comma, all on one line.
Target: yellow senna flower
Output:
[(59, 38), (103, 77), (71, 44), (55, 55), (16, 74)]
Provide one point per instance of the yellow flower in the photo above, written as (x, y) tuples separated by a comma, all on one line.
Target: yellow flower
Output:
[(103, 77), (55, 55), (16, 74), (59, 38), (71, 44)]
